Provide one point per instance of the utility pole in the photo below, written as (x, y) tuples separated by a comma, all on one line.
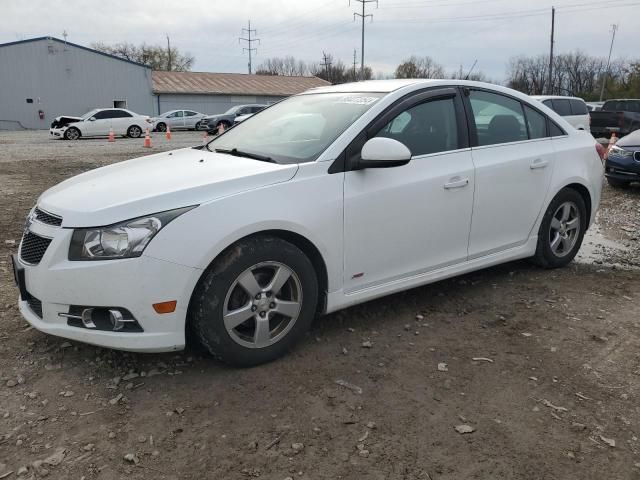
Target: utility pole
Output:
[(354, 64), (363, 16), (249, 48), (614, 28), (553, 30), (168, 54), (327, 66)]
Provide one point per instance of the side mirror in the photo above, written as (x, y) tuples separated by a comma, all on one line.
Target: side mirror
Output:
[(92, 119), (381, 152)]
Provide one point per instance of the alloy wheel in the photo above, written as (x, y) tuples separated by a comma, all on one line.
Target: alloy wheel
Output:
[(565, 229), (262, 304)]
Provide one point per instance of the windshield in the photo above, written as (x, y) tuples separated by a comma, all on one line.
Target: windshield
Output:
[(297, 129), (89, 114)]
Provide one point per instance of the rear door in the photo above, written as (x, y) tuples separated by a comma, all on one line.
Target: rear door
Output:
[(121, 121), (190, 119), (514, 157)]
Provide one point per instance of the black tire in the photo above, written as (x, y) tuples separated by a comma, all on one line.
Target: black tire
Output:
[(617, 183), (225, 123), (161, 127), (220, 283), (545, 256), (198, 125), (134, 131), (72, 133)]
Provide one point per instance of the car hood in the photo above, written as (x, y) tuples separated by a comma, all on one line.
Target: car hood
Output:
[(156, 183), (631, 140)]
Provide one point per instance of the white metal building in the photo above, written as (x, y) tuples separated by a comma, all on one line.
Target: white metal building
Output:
[(42, 78)]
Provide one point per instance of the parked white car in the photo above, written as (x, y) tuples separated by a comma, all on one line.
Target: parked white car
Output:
[(178, 120), (383, 186), (573, 109), (99, 122)]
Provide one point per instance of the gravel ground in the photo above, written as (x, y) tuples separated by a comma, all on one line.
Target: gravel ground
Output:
[(508, 373)]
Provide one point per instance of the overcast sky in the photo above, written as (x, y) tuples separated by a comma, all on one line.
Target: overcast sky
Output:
[(454, 32)]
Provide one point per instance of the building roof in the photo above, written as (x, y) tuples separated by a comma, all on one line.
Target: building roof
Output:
[(54, 39), (232, 83)]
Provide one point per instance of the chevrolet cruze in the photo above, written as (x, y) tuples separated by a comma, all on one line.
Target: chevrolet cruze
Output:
[(321, 201)]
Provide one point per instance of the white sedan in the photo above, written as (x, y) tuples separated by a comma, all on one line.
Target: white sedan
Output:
[(99, 122), (327, 199), (178, 120)]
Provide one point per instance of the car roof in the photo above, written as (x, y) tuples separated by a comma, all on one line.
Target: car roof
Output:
[(556, 97)]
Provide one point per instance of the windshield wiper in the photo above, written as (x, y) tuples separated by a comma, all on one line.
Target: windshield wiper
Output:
[(239, 153)]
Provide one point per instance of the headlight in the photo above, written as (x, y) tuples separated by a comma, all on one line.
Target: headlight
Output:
[(123, 240), (620, 152)]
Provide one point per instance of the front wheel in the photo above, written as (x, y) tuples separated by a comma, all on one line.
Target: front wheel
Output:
[(161, 127), (72, 133), (255, 302), (562, 230), (134, 131)]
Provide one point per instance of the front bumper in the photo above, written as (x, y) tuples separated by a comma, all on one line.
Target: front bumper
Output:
[(133, 284), (622, 168), (57, 133)]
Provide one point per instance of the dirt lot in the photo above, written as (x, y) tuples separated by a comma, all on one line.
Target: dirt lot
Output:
[(543, 365)]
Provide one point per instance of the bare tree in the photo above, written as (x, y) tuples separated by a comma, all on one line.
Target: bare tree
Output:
[(419, 67), (283, 66), (156, 56)]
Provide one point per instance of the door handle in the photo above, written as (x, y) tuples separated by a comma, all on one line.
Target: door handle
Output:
[(538, 163), (456, 182)]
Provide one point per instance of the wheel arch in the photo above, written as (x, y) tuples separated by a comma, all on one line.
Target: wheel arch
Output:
[(300, 241), (585, 194)]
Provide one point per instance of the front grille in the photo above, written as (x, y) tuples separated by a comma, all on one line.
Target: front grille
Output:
[(44, 217), (33, 247), (35, 305)]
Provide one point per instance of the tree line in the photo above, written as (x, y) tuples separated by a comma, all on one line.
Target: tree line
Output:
[(574, 73)]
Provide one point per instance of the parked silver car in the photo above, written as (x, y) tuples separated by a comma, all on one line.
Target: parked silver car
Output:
[(178, 120), (211, 122)]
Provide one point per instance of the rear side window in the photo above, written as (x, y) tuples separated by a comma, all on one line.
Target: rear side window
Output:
[(578, 107), (429, 127), (562, 107), (120, 114), (498, 119), (536, 122), (633, 106)]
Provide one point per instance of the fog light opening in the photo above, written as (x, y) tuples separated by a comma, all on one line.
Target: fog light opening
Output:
[(118, 321)]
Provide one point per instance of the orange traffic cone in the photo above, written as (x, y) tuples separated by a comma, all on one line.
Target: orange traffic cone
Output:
[(168, 134), (613, 140), (147, 139), (221, 128), (112, 135), (205, 137)]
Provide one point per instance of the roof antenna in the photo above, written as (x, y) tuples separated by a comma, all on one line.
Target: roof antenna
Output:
[(471, 70), (65, 35)]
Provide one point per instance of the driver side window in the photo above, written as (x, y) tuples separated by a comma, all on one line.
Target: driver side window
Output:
[(427, 128)]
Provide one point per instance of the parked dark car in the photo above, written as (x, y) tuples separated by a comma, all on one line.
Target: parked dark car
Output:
[(212, 122), (623, 162), (616, 116)]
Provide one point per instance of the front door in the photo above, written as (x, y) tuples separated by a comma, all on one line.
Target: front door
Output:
[(514, 158), (407, 220)]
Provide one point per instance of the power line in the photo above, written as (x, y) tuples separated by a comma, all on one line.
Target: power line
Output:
[(614, 28), (363, 16), (249, 48)]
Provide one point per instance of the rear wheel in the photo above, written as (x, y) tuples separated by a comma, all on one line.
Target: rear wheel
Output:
[(255, 302), (161, 127), (562, 230), (198, 125), (72, 133), (617, 183), (134, 131)]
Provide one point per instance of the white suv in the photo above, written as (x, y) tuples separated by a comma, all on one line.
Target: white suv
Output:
[(99, 122), (573, 109), (325, 200)]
